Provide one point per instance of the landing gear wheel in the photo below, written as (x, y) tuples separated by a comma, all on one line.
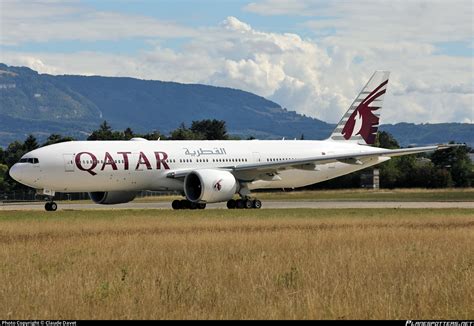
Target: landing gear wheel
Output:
[(257, 204), (247, 203), (176, 204), (231, 204), (51, 206), (184, 204), (239, 203)]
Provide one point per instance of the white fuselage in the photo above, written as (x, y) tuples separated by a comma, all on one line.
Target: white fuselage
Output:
[(88, 166)]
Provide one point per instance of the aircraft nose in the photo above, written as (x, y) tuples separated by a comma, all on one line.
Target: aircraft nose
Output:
[(16, 172)]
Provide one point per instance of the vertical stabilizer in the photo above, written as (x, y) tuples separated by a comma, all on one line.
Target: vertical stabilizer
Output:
[(361, 122)]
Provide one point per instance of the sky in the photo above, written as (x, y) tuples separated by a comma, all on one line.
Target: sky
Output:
[(309, 56)]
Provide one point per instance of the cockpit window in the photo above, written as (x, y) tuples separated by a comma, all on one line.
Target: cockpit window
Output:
[(31, 160)]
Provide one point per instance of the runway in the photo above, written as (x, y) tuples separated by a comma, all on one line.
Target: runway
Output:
[(265, 205)]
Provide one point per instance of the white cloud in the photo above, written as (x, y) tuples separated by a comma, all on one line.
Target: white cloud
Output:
[(319, 77), (369, 20), (233, 24), (398, 21), (282, 7), (42, 21), (400, 36), (440, 107)]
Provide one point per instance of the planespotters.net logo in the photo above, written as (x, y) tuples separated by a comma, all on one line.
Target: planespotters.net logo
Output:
[(439, 323)]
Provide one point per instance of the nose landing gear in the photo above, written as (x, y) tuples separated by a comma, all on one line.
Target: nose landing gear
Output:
[(48, 195)]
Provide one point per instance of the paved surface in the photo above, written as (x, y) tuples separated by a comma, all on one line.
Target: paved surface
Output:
[(265, 205)]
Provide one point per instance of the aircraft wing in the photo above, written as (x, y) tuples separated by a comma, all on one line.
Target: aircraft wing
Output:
[(308, 163), (350, 158)]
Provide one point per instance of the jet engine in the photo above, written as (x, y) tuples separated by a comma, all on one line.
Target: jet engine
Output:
[(210, 186), (112, 197)]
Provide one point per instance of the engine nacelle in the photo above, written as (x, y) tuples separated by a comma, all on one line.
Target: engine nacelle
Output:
[(210, 186), (112, 197)]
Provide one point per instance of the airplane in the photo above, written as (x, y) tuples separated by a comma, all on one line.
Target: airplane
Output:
[(112, 172)]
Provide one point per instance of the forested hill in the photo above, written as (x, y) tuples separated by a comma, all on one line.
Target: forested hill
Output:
[(41, 104), (425, 134)]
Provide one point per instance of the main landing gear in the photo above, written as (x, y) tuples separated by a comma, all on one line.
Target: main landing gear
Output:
[(244, 203), (186, 204), (231, 204), (51, 206)]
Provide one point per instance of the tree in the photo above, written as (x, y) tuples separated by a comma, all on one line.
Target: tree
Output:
[(210, 129), (183, 133), (30, 143), (56, 138), (2, 156), (105, 133), (200, 130), (386, 140), (406, 166), (456, 160), (155, 135), (14, 152), (12, 155), (426, 175), (441, 178), (3, 177), (128, 134), (389, 174)]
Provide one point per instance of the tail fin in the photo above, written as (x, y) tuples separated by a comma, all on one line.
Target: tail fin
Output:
[(361, 121)]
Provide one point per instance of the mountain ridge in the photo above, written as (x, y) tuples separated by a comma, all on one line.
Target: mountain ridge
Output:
[(41, 104)]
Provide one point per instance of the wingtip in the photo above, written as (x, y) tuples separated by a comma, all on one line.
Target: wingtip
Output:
[(445, 146)]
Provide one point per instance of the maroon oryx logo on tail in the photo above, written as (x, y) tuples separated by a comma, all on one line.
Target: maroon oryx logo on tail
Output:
[(217, 185), (363, 121)]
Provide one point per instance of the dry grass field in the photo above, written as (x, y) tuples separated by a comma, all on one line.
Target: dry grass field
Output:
[(238, 264)]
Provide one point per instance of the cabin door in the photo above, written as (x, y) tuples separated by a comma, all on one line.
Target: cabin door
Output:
[(68, 162)]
